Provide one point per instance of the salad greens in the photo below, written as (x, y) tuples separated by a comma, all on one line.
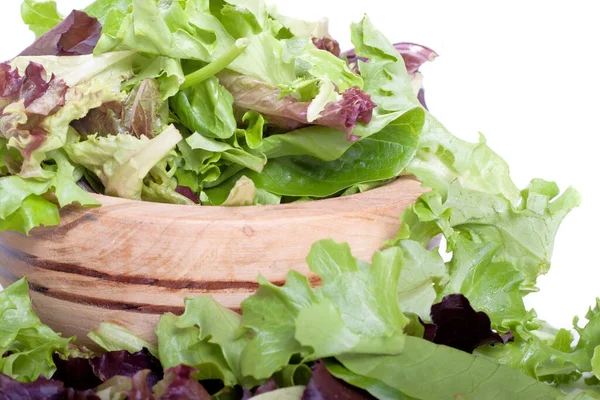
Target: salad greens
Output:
[(185, 101), (226, 102)]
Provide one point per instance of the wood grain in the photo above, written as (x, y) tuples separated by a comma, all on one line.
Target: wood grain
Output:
[(129, 262)]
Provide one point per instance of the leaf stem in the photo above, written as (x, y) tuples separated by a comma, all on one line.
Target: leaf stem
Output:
[(216, 66)]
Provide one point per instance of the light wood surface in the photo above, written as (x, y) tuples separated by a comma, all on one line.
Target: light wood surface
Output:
[(129, 262)]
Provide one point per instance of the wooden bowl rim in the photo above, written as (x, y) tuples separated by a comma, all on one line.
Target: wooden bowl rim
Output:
[(314, 209)]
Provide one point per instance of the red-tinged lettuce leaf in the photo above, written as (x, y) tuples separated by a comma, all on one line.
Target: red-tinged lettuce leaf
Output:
[(456, 324), (143, 113), (42, 389), (324, 386), (123, 363), (327, 44), (179, 384), (251, 94), (77, 34), (40, 95), (10, 82)]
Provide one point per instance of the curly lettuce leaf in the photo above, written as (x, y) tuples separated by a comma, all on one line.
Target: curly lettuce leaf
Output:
[(122, 162), (26, 345), (293, 319), (386, 80), (40, 16), (525, 231)]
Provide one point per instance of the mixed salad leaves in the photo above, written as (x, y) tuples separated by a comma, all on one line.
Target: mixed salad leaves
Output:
[(183, 101)]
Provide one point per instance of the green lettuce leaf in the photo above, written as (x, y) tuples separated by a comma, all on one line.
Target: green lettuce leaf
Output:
[(428, 371), (231, 153), (122, 161), (526, 231), (423, 272), (206, 108), (29, 343), (375, 387), (443, 159), (100, 9), (385, 79), (178, 346), (293, 319), (112, 337), (394, 145), (40, 16), (491, 287)]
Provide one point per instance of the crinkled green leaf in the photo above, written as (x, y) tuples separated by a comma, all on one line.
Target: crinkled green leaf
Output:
[(178, 346), (29, 343), (100, 9), (526, 231), (423, 271), (491, 287), (271, 312), (357, 309), (40, 15)]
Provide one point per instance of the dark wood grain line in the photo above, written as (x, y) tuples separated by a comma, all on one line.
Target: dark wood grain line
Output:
[(73, 269)]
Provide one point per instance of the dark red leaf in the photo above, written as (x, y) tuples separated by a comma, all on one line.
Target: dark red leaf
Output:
[(267, 387), (456, 324), (76, 373), (123, 363), (327, 44), (42, 389), (179, 384), (77, 34), (187, 192), (323, 386)]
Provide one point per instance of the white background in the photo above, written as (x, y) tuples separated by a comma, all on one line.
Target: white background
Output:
[(524, 73)]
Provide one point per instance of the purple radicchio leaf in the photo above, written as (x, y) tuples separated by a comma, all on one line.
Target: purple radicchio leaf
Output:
[(414, 56), (76, 373), (77, 34), (288, 113), (42, 389), (123, 363), (324, 386), (456, 324), (327, 44)]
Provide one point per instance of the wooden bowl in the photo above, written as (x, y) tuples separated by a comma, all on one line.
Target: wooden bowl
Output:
[(129, 262)]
